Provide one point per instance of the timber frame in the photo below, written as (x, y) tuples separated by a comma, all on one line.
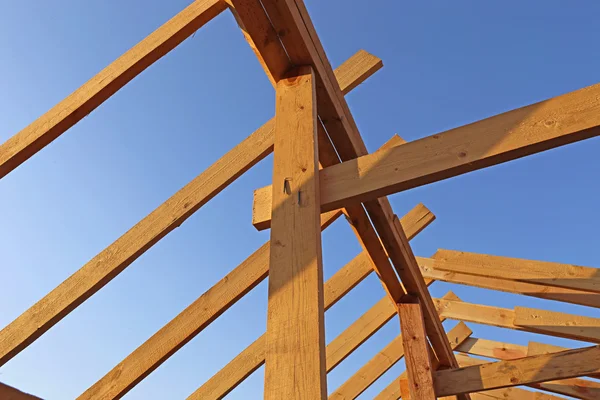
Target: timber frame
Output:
[(322, 170)]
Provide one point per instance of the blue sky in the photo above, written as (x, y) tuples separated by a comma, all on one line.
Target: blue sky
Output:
[(446, 64)]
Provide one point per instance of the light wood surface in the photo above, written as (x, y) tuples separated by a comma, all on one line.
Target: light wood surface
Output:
[(537, 272), (414, 341), (295, 338), (522, 371), (542, 126)]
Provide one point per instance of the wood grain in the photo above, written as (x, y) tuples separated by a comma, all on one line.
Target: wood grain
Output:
[(537, 272), (429, 270), (337, 286), (539, 127), (533, 369), (295, 339), (414, 341)]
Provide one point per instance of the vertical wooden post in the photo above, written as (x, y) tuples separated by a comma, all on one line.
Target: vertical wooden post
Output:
[(295, 354), (416, 351)]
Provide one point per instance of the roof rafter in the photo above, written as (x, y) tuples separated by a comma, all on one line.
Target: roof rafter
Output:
[(168, 216), (536, 272)]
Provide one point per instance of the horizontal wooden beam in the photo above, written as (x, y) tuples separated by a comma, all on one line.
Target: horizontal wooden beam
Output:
[(107, 82), (551, 323), (536, 272), (334, 289), (430, 271), (522, 371), (542, 126), (168, 216)]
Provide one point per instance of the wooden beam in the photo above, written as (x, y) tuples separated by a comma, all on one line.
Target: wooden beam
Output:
[(536, 348), (263, 39), (384, 360), (10, 393), (295, 355), (537, 272), (574, 387), (372, 370), (115, 258), (522, 371), (525, 319), (337, 286), (414, 341), (290, 19), (107, 82), (560, 324), (429, 270), (542, 126), (492, 349), (187, 324)]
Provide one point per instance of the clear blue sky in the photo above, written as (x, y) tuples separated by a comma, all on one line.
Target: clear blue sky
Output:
[(447, 63)]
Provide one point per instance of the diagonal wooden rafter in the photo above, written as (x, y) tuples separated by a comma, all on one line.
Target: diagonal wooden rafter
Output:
[(529, 271), (289, 21), (535, 348), (336, 287), (574, 387), (521, 371), (534, 373), (107, 82), (223, 295), (168, 216), (542, 126), (551, 323), (430, 271)]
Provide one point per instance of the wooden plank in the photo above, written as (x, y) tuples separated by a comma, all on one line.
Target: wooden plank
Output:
[(107, 82), (537, 272), (10, 393), (554, 323), (171, 214), (522, 371), (414, 341), (297, 34), (295, 345), (542, 126), (536, 348), (187, 324), (253, 356), (492, 349), (429, 271), (524, 319), (361, 266), (573, 387), (383, 361), (262, 37)]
